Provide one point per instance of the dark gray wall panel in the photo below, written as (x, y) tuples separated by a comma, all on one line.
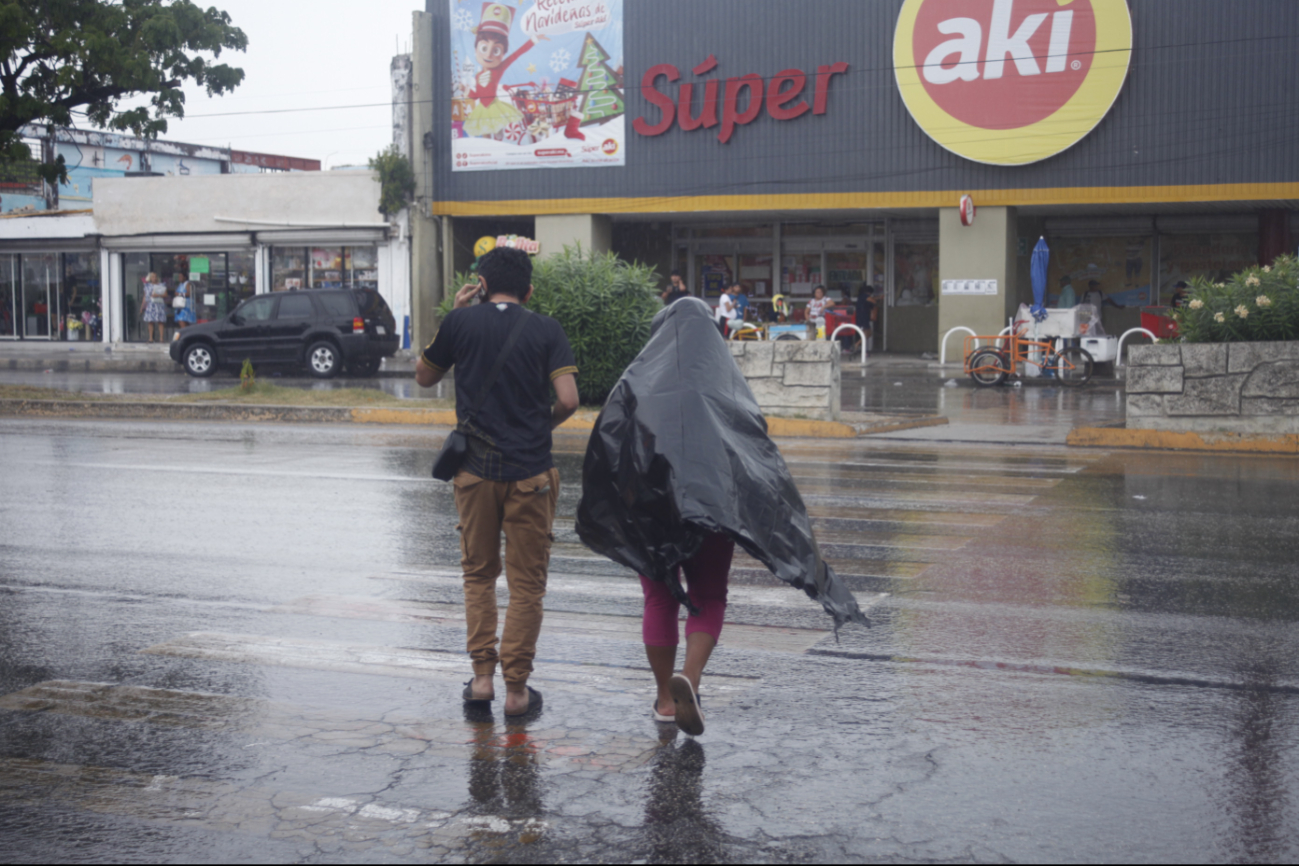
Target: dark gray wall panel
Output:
[(1210, 99)]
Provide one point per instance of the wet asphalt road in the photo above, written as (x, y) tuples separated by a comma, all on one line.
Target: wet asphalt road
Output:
[(225, 642)]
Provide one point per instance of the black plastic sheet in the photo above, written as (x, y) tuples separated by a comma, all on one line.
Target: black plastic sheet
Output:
[(681, 451)]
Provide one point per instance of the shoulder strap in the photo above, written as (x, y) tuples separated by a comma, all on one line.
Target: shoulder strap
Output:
[(495, 372)]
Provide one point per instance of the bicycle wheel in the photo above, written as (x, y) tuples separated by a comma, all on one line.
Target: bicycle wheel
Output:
[(1072, 366), (988, 367)]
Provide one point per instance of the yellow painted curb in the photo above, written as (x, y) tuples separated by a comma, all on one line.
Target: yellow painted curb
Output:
[(431, 417), (1167, 440), (799, 428), (584, 422)]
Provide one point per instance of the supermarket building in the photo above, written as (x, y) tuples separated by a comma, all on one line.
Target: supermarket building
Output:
[(787, 144)]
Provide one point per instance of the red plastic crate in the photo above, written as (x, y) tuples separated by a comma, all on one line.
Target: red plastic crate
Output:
[(1159, 321)]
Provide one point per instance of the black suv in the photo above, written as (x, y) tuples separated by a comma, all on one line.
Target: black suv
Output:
[(323, 329)]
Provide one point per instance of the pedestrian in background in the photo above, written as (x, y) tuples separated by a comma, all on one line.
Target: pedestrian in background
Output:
[(153, 309), (675, 291), (1180, 295), (816, 307), (508, 483), (183, 302)]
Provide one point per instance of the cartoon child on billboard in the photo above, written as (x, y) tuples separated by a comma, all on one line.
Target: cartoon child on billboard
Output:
[(489, 115)]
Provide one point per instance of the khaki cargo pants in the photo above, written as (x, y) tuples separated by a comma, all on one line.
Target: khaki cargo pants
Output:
[(525, 511)]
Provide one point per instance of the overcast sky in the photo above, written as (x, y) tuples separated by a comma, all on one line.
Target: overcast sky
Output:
[(322, 54)]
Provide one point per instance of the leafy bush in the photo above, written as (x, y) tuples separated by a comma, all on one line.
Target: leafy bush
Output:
[(1255, 305), (604, 304)]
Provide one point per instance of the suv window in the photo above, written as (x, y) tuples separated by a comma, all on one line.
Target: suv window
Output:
[(337, 305), (295, 307), (257, 310), (371, 303)]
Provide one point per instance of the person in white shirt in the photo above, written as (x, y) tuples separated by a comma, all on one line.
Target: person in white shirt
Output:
[(816, 307), (727, 310)]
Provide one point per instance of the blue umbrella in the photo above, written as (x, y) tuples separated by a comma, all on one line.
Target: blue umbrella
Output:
[(1041, 258)]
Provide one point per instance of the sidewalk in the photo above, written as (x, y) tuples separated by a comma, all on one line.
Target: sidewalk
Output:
[(75, 357)]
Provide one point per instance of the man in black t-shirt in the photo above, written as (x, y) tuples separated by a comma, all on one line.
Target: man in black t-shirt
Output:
[(675, 291), (509, 482)]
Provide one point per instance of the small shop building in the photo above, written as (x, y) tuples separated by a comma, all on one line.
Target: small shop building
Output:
[(785, 145), (79, 274)]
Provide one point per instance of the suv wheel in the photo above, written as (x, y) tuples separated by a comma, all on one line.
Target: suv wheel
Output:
[(199, 361), (324, 360)]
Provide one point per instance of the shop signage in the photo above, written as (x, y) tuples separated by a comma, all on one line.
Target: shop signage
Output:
[(967, 211), (969, 287), (514, 242), (537, 85), (1011, 82), (735, 102)]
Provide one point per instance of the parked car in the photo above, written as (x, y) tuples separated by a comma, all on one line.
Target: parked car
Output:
[(324, 330)]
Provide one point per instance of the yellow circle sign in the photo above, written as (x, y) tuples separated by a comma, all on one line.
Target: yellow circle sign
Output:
[(1010, 82)]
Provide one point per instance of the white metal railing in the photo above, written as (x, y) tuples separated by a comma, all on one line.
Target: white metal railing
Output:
[(942, 355), (860, 333), (1118, 360)]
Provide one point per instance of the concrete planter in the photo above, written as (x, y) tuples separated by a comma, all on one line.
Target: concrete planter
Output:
[(1211, 387), (792, 379)]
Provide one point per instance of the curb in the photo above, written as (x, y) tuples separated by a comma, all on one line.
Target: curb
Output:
[(1166, 440), (133, 365), (583, 422)]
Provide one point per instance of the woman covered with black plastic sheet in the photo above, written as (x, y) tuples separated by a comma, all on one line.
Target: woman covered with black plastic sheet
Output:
[(679, 469)]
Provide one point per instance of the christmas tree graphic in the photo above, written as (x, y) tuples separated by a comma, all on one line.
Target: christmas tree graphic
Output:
[(603, 100)]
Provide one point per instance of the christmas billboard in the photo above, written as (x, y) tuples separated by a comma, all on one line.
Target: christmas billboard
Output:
[(538, 85)]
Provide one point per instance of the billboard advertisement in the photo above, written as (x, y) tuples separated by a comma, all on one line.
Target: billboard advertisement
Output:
[(537, 85), (1011, 82)]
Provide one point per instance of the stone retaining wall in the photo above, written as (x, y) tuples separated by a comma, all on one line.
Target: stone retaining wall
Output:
[(792, 378), (1208, 387)]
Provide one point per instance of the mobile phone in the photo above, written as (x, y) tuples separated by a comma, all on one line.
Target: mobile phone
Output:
[(482, 290)]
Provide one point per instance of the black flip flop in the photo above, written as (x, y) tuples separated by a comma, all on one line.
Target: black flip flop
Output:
[(470, 700), (534, 704)]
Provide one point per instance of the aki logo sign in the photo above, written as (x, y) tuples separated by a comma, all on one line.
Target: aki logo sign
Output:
[(1010, 82)]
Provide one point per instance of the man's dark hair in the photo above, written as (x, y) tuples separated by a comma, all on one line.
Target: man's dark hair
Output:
[(674, 274), (506, 271)]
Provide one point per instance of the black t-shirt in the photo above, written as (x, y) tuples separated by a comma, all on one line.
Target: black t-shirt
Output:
[(865, 306), (674, 296), (515, 419)]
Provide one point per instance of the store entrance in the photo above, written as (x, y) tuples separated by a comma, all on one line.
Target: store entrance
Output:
[(39, 307), (217, 283)]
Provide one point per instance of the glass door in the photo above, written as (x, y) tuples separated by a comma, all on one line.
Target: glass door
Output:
[(40, 296), (9, 310)]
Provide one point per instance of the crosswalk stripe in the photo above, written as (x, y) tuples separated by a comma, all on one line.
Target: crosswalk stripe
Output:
[(603, 626), (413, 663)]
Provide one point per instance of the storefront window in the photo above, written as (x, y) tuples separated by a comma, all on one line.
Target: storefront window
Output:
[(218, 282), (1119, 267), (1212, 256), (755, 275), (800, 274), (81, 296), (915, 274), (9, 285), (294, 268), (715, 273), (847, 273), (40, 295)]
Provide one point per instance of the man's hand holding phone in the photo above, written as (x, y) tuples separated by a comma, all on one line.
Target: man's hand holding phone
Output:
[(470, 293)]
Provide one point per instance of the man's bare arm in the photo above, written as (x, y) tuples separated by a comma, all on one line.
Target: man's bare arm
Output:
[(566, 401), (426, 376)]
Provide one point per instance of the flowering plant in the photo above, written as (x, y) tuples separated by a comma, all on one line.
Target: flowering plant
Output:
[(1255, 305)]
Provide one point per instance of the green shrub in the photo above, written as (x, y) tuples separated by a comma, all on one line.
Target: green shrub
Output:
[(604, 304), (1255, 305)]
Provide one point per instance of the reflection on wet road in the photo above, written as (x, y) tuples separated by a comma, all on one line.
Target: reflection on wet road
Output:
[(229, 642)]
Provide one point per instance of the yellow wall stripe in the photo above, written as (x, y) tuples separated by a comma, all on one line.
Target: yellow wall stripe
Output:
[(877, 200)]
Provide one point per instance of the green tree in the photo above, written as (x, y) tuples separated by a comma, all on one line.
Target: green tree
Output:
[(396, 180), (61, 56)]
